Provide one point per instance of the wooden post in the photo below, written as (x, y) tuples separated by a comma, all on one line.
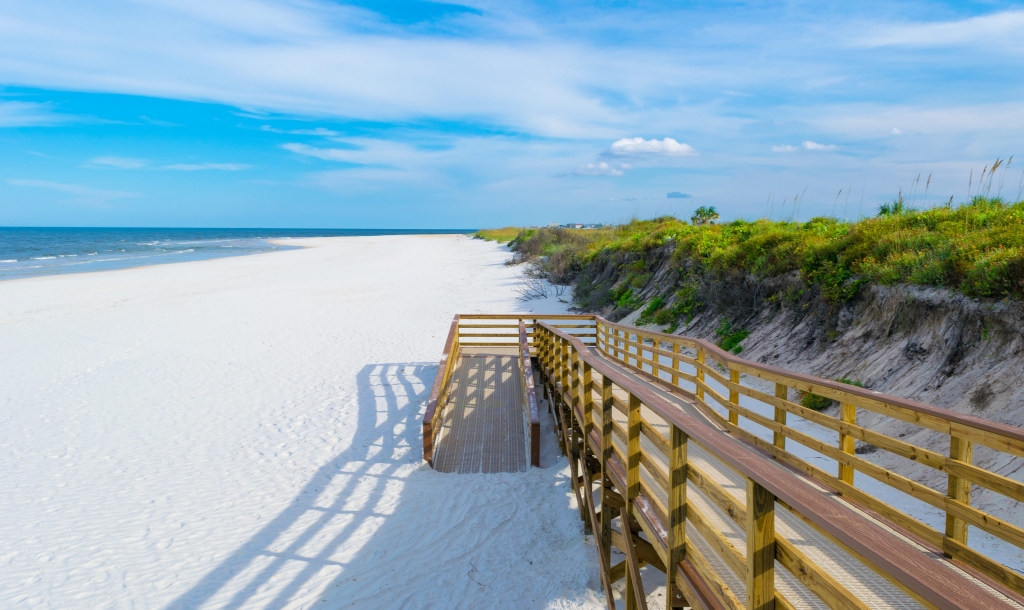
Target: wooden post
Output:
[(576, 452), (760, 547), (847, 443), (958, 489), (779, 439), (675, 364), (633, 449), (556, 402), (700, 373), (606, 455), (635, 598), (734, 397), (564, 370), (574, 377), (538, 343), (678, 465), (588, 401)]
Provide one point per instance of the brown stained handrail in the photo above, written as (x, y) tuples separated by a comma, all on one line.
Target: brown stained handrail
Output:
[(882, 549), (531, 394), (1016, 434), (435, 392)]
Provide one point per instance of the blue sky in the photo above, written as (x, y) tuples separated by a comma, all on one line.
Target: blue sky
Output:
[(405, 114)]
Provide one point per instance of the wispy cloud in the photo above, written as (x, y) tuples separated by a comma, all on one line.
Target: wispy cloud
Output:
[(30, 114), (198, 167), (319, 131), (1002, 29), (326, 154), (808, 145), (596, 169), (639, 147), (118, 162), (678, 195), (158, 122), (80, 192)]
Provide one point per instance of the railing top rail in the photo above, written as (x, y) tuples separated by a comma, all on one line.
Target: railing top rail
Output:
[(1004, 430), (435, 390), (876, 545), (524, 356)]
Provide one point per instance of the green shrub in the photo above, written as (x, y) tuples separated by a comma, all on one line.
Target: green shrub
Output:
[(664, 316), (624, 298), (729, 338), (976, 248), (647, 315), (501, 236), (815, 402)]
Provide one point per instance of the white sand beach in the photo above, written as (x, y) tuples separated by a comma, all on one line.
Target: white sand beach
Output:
[(245, 433)]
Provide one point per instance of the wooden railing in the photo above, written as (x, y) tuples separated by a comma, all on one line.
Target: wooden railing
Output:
[(434, 414), (726, 388), (645, 475), (530, 410), (498, 331)]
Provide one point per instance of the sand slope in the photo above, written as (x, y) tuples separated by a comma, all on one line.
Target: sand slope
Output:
[(245, 433)]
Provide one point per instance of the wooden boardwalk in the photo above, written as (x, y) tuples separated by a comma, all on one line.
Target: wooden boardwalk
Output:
[(678, 453), (483, 429), (869, 587)]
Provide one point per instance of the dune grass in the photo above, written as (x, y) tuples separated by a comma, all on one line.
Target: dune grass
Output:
[(502, 236), (976, 248)]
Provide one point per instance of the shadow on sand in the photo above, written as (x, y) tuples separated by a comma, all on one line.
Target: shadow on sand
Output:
[(375, 527), (339, 503)]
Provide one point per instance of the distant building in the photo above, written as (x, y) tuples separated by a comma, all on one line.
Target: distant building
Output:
[(575, 225)]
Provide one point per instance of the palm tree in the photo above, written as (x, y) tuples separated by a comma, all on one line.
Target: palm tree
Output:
[(704, 215)]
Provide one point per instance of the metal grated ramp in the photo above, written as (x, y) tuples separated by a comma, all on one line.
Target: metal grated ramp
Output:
[(483, 428)]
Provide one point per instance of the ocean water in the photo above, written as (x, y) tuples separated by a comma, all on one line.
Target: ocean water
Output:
[(34, 251)]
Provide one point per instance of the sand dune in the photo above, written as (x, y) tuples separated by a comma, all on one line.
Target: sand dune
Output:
[(244, 432)]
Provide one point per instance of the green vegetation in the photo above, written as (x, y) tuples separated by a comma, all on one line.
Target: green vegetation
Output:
[(648, 314), (660, 313), (976, 248), (501, 236), (625, 299), (817, 403), (704, 215), (729, 338)]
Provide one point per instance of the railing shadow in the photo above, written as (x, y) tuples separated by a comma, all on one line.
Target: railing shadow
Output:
[(376, 527), (339, 509)]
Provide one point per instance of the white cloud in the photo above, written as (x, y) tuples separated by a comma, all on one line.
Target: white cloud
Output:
[(327, 154), (81, 192), (195, 167), (29, 114), (896, 131), (158, 122), (319, 131), (640, 147), (118, 162), (808, 145), (597, 169), (993, 30)]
